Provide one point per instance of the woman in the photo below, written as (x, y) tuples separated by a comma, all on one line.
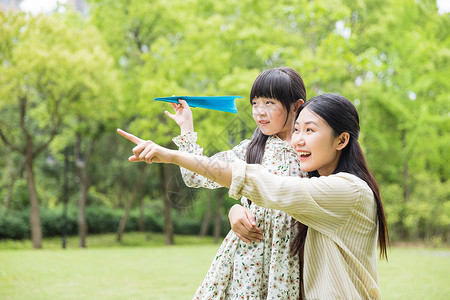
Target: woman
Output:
[(340, 201)]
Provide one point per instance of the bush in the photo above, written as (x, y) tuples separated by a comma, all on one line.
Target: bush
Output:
[(186, 226), (102, 219), (52, 222), (15, 224)]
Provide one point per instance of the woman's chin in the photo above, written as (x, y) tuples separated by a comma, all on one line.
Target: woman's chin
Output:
[(306, 169)]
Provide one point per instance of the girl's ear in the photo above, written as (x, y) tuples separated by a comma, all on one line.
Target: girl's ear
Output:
[(297, 104), (342, 140)]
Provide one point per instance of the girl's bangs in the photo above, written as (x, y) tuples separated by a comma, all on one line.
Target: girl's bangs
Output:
[(273, 85)]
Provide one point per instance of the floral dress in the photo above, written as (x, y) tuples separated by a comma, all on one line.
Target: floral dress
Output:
[(263, 270)]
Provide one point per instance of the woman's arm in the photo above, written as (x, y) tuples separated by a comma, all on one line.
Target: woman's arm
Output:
[(243, 224), (323, 203), (149, 152), (316, 202)]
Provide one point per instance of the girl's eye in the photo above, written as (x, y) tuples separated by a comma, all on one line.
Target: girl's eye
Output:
[(309, 130)]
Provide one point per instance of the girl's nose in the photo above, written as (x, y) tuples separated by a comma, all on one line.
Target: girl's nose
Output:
[(260, 111)]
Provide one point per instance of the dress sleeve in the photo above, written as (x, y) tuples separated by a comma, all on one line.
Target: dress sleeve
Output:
[(188, 143), (324, 203)]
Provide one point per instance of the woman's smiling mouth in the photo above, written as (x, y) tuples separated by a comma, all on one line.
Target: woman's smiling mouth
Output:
[(303, 154)]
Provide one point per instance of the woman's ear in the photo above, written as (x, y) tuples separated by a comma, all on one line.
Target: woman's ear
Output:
[(342, 140)]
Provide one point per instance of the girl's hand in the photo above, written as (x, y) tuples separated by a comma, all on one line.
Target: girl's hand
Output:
[(182, 116), (147, 150), (243, 224)]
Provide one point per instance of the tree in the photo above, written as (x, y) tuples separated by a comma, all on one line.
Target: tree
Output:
[(48, 65), (402, 50)]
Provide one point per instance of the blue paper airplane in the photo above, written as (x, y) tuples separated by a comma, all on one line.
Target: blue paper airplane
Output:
[(221, 103)]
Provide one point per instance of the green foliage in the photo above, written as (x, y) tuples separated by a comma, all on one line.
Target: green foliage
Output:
[(390, 58), (428, 209)]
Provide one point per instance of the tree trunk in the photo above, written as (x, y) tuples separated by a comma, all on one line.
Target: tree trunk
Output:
[(141, 222), (168, 224), (81, 163), (136, 188), (35, 216), (405, 234), (9, 189), (406, 183), (12, 175), (218, 218), (84, 186), (65, 196), (29, 154), (207, 217)]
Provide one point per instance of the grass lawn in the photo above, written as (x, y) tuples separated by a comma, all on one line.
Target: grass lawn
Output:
[(415, 273), (141, 269)]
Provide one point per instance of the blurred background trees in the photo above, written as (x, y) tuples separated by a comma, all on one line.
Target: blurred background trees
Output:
[(68, 81)]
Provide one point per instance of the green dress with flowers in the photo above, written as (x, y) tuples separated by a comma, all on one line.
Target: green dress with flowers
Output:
[(263, 270)]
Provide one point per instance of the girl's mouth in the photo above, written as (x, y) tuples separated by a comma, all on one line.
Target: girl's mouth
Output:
[(264, 122)]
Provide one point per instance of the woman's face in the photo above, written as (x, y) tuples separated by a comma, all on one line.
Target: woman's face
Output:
[(315, 143), (270, 116)]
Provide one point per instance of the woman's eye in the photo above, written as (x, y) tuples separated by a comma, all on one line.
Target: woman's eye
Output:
[(309, 130)]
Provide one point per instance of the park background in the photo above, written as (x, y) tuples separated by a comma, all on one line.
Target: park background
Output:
[(71, 76)]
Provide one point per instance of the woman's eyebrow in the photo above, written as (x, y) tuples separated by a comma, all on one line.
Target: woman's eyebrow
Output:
[(311, 122), (306, 123)]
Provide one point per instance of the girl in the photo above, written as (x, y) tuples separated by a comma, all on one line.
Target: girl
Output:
[(340, 201), (265, 269)]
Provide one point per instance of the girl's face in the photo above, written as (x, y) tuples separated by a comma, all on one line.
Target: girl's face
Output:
[(270, 116), (316, 143)]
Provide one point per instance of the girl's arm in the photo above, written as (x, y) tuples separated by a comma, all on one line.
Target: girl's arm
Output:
[(183, 116), (187, 142)]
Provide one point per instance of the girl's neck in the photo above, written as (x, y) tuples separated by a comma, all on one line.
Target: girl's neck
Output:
[(286, 133), (284, 137)]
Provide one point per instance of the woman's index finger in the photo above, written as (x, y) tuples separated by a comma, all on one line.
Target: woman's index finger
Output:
[(129, 136)]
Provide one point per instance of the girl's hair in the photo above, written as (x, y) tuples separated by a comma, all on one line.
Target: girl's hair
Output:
[(283, 84), (342, 116)]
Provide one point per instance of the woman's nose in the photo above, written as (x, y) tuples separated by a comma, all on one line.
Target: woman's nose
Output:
[(297, 140)]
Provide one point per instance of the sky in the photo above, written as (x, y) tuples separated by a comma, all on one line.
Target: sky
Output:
[(37, 6), (443, 6)]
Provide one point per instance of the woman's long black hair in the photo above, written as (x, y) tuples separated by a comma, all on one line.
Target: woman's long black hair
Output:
[(284, 84), (342, 116)]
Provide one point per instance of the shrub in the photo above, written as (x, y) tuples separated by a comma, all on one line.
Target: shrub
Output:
[(13, 226)]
